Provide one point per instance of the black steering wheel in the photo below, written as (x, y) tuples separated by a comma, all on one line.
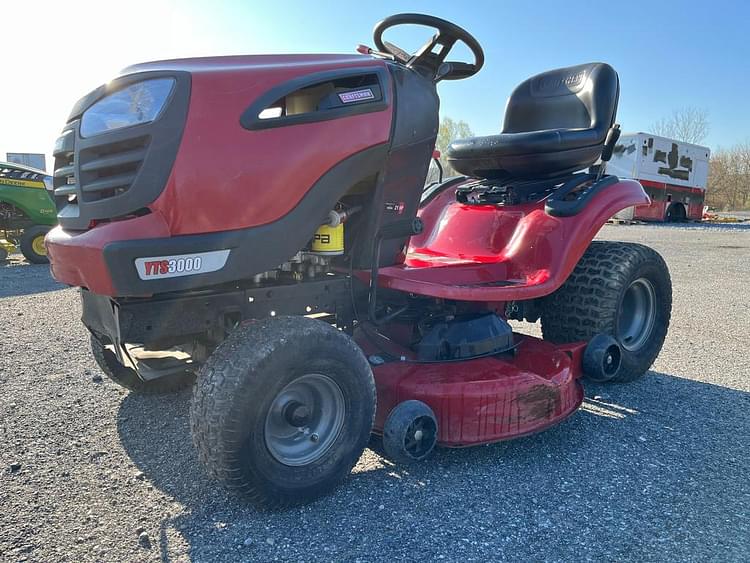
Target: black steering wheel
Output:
[(430, 58)]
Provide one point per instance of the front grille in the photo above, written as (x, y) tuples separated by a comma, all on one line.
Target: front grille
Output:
[(117, 173), (64, 177), (96, 172), (108, 170)]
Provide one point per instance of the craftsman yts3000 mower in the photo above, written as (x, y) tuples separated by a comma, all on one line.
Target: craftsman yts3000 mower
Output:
[(261, 223)]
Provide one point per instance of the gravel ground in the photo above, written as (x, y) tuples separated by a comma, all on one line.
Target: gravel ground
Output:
[(654, 470)]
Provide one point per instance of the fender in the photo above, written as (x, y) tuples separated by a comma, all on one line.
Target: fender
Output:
[(501, 253), (34, 203)]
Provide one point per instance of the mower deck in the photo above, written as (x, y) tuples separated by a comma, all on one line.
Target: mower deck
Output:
[(486, 399)]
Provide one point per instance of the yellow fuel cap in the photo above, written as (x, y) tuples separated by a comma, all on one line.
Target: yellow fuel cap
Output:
[(329, 240)]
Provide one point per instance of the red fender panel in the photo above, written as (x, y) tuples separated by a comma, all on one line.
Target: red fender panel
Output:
[(501, 253)]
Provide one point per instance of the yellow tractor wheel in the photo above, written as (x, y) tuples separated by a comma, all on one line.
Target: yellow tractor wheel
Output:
[(32, 244)]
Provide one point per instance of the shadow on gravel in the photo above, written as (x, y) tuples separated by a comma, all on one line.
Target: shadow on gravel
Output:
[(26, 279), (655, 469)]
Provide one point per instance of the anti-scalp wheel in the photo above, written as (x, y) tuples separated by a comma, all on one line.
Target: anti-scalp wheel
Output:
[(602, 358), (410, 432)]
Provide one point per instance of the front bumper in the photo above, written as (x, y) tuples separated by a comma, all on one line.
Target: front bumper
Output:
[(137, 257), (78, 258)]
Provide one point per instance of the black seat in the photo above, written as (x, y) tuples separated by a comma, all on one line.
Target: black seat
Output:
[(555, 123)]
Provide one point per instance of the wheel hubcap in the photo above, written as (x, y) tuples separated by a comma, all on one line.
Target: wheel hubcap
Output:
[(37, 245), (420, 437), (637, 315), (304, 420)]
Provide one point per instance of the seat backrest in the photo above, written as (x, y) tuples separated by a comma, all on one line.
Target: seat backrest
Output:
[(576, 97)]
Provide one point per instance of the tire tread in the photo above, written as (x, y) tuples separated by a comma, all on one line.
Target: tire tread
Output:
[(587, 302), (224, 377)]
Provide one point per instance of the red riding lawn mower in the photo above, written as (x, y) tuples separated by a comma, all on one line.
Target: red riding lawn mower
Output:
[(262, 222)]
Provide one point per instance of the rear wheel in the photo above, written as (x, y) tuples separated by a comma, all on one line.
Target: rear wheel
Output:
[(620, 289), (676, 213), (32, 244), (128, 378), (283, 409)]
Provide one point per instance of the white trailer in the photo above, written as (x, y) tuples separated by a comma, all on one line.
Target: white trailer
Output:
[(673, 173)]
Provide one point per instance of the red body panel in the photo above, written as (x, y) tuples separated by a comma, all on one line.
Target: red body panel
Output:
[(226, 177), (487, 399), (77, 258), (258, 175), (662, 195), (501, 253)]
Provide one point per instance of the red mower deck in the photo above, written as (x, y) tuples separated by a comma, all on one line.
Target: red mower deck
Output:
[(483, 400)]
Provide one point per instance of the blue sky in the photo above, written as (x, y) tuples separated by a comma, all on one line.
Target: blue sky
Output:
[(669, 54)]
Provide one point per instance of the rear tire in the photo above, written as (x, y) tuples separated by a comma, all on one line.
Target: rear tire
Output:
[(32, 244), (676, 213), (283, 409), (127, 378), (620, 289)]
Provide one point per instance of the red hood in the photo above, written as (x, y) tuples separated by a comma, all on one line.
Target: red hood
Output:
[(235, 63)]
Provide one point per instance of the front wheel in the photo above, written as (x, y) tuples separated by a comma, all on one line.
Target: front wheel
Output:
[(620, 289), (32, 244), (283, 409)]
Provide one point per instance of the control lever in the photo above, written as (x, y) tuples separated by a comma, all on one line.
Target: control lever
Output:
[(609, 146), (436, 159), (365, 50), (456, 71)]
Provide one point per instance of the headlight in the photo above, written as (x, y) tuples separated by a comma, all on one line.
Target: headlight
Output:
[(135, 104)]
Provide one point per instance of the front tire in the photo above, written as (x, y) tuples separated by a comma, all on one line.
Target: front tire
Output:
[(620, 289), (283, 410), (32, 244)]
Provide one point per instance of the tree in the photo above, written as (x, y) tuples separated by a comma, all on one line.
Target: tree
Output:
[(729, 178), (450, 131), (689, 124)]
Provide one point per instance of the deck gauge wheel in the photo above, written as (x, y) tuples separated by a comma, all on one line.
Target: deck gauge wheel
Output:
[(602, 358), (410, 432)]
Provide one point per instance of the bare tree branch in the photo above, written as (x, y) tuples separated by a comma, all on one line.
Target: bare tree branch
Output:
[(729, 178), (689, 124)]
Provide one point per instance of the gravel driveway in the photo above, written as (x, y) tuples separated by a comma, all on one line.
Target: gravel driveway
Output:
[(654, 470)]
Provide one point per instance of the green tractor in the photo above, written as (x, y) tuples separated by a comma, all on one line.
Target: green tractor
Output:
[(27, 211)]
